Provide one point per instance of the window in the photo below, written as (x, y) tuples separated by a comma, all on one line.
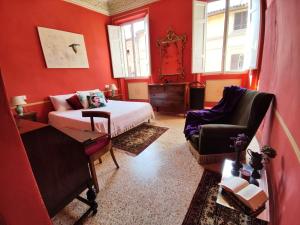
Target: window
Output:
[(240, 20), (130, 52), (236, 62), (225, 35), (214, 36)]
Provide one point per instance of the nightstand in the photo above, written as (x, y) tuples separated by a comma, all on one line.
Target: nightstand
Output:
[(115, 97), (27, 116)]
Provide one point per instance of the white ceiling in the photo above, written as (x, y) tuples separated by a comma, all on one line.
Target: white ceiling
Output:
[(111, 7)]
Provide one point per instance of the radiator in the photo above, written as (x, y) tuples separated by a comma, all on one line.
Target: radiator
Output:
[(138, 91), (214, 88)]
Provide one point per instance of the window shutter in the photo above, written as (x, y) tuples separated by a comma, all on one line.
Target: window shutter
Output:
[(148, 44), (237, 21), (117, 51), (254, 31), (199, 36)]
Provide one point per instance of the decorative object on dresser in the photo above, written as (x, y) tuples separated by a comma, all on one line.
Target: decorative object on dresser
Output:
[(197, 93), (171, 55), (169, 97), (18, 102), (60, 167)]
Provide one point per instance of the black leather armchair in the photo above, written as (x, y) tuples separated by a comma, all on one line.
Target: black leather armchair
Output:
[(212, 144)]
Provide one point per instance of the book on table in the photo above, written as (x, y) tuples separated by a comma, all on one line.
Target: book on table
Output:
[(238, 190)]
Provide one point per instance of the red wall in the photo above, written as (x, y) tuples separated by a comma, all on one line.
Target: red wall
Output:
[(22, 60), (21, 202), (280, 75), (178, 15), (163, 15), (21, 57)]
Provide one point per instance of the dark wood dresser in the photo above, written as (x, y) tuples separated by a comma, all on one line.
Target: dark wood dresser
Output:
[(169, 97)]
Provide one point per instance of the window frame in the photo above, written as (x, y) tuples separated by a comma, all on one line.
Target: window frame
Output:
[(131, 22), (224, 49), (119, 59)]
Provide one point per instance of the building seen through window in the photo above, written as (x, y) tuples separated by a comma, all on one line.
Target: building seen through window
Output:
[(230, 53)]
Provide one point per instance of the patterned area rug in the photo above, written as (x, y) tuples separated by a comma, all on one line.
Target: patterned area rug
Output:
[(138, 139), (205, 211)]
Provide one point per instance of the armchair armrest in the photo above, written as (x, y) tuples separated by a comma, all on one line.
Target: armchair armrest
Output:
[(221, 129), (215, 138)]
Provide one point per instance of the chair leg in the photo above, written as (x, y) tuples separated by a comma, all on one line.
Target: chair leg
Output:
[(94, 175), (113, 157)]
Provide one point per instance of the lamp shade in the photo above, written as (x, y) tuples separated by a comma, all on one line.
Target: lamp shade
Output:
[(18, 100), (113, 87)]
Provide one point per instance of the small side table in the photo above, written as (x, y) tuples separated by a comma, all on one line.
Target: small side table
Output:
[(263, 183), (27, 116), (115, 97)]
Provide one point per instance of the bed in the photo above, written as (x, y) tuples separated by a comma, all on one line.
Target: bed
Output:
[(124, 116)]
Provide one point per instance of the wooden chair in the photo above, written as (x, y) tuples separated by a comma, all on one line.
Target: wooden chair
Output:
[(100, 146)]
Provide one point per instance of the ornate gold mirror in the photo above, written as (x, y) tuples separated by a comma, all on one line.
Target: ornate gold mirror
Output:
[(171, 55)]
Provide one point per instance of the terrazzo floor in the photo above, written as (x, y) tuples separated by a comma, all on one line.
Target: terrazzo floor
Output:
[(153, 188)]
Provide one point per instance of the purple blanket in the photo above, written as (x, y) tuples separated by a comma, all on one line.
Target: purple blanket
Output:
[(217, 114)]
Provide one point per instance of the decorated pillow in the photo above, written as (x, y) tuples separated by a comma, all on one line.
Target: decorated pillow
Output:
[(96, 100), (83, 97), (59, 102), (74, 102)]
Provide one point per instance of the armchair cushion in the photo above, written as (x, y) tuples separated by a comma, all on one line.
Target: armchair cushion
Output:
[(215, 138), (219, 130)]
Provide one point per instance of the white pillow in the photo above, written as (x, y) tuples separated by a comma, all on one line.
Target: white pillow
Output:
[(83, 97), (59, 102)]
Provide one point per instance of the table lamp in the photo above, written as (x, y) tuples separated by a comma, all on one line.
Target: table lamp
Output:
[(19, 101), (113, 89)]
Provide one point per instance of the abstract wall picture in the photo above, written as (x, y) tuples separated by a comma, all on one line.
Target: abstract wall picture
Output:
[(63, 49)]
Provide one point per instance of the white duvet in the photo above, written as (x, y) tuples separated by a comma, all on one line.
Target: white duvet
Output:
[(124, 116)]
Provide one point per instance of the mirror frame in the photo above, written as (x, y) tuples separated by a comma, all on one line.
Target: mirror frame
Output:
[(163, 43)]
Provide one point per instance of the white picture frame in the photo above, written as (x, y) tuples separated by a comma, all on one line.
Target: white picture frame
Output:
[(63, 49)]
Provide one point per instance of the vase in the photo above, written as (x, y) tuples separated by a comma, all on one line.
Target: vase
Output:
[(236, 165), (19, 110), (256, 164)]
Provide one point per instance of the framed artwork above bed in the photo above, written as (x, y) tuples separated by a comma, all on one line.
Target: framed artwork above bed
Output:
[(63, 49)]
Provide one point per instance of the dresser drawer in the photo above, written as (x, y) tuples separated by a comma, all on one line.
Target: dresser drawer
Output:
[(162, 102), (156, 89), (168, 97), (175, 89)]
